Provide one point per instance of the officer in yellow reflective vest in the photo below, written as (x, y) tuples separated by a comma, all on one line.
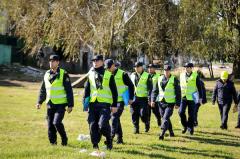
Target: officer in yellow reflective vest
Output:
[(123, 83), (102, 90), (143, 87), (56, 89), (190, 85), (155, 110), (165, 95)]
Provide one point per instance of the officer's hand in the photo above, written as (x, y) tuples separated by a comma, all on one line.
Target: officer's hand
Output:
[(200, 100), (152, 104), (130, 102), (69, 109), (38, 106), (176, 106), (113, 109), (149, 103), (235, 109)]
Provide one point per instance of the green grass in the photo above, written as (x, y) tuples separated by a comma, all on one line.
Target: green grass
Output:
[(23, 133)]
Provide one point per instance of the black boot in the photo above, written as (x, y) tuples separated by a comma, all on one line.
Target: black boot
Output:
[(136, 130), (184, 130), (109, 144), (64, 141), (147, 127), (171, 133), (95, 146), (119, 141)]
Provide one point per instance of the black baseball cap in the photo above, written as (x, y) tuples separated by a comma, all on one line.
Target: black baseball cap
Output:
[(138, 64), (188, 64), (54, 57), (151, 65), (108, 63), (167, 67), (97, 57)]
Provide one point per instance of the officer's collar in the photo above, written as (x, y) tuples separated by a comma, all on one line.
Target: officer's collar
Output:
[(51, 71), (115, 71), (188, 74)]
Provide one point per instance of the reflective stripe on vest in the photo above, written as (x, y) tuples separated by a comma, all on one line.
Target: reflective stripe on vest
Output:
[(55, 91), (188, 87), (121, 87), (141, 88), (169, 93), (104, 94)]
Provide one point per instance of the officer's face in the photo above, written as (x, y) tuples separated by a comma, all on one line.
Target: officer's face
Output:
[(112, 68), (139, 69), (53, 64), (151, 70), (188, 69), (167, 73), (97, 63)]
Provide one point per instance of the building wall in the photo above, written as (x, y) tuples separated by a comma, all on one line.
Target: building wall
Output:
[(5, 54)]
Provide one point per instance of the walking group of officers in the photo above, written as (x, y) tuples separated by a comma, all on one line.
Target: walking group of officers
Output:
[(148, 92)]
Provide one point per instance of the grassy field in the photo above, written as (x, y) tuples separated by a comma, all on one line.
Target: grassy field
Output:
[(23, 132)]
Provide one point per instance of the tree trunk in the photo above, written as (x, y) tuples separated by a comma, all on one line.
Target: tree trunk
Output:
[(236, 68), (211, 70)]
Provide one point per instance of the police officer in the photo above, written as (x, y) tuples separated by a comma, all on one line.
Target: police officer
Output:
[(224, 92), (143, 87), (197, 105), (56, 89), (101, 89), (165, 95), (238, 122), (190, 85), (155, 110), (123, 83)]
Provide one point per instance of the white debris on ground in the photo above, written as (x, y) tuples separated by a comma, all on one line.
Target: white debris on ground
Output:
[(83, 150), (82, 137), (98, 154)]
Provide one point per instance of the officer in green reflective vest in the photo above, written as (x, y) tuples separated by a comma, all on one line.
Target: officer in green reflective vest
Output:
[(165, 95), (155, 110), (123, 83), (56, 89), (143, 87), (190, 86), (102, 90)]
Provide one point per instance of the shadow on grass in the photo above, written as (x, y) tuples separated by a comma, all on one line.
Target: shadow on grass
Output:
[(142, 153), (161, 148), (189, 151), (9, 84), (213, 141), (218, 133)]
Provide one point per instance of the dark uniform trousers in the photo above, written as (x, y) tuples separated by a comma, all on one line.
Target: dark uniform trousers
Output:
[(238, 123), (197, 106), (224, 110), (55, 115), (156, 112), (191, 111), (116, 123), (139, 109), (99, 115), (166, 111)]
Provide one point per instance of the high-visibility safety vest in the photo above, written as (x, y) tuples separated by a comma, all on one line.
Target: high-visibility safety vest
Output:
[(189, 86), (169, 92), (121, 87), (55, 91), (155, 79), (141, 87), (104, 94)]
